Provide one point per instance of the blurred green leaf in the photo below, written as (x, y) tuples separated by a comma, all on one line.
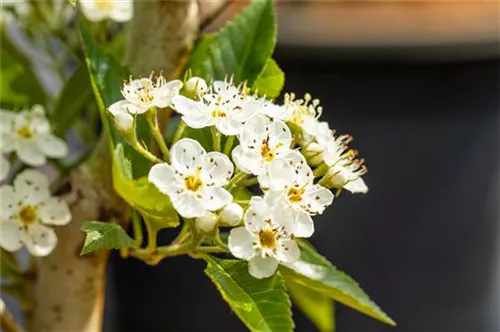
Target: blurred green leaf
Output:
[(261, 304), (19, 87), (270, 81), (315, 272), (142, 195), (71, 101), (315, 305), (242, 48), (104, 235)]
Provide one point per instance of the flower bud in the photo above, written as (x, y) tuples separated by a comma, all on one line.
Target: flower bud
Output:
[(124, 121), (231, 214), (206, 223), (196, 86), (313, 153)]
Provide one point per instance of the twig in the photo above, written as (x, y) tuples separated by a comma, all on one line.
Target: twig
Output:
[(7, 321)]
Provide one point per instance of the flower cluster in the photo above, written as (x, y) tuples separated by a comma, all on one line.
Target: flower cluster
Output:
[(27, 207), (294, 158)]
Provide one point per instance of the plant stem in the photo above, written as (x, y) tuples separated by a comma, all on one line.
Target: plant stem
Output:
[(229, 145), (136, 224), (152, 119), (237, 178), (179, 132), (320, 170), (145, 153), (250, 182), (152, 237), (215, 138)]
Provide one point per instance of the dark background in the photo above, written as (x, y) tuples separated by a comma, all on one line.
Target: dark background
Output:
[(424, 243)]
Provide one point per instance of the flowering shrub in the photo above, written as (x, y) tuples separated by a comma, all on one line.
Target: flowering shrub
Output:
[(241, 172)]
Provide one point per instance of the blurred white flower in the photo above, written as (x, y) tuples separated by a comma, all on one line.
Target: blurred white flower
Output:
[(143, 93), (4, 167), (231, 214), (28, 133), (265, 240), (12, 9), (99, 10), (261, 142), (26, 209), (194, 180), (304, 198), (223, 106)]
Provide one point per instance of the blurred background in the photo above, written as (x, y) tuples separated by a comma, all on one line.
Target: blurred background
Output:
[(417, 84)]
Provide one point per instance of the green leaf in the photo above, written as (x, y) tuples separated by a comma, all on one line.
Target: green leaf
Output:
[(104, 235), (314, 271), (142, 195), (75, 93), (242, 48), (261, 304), (18, 85), (315, 305), (270, 81), (106, 76)]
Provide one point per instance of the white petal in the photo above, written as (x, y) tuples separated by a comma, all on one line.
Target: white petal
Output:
[(188, 206), (8, 202), (283, 214), (7, 142), (288, 251), (54, 211), (4, 167), (39, 240), (122, 11), (187, 155), (256, 214), (310, 125), (10, 235), (231, 215), (199, 121), (254, 130), (119, 107), (215, 198), (32, 186), (124, 121), (261, 268), (240, 243), (29, 153), (317, 198), (279, 134), (52, 146), (277, 112), (6, 119), (91, 12), (279, 174), (245, 163), (164, 178), (187, 107), (228, 126), (357, 186), (217, 169), (304, 225), (165, 94)]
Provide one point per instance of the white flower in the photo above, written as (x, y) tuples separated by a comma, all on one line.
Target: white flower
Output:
[(99, 10), (261, 142), (347, 174), (123, 119), (231, 214), (265, 240), (194, 180), (224, 107), (143, 93), (206, 223), (12, 9), (4, 167), (196, 86), (302, 113), (305, 198), (28, 134), (26, 209)]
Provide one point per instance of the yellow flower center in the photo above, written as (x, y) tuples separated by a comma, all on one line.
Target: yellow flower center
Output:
[(217, 113), (25, 132), (27, 214), (193, 183), (295, 194), (104, 5), (267, 238)]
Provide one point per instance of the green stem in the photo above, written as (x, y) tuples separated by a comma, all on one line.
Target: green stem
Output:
[(152, 119), (152, 237), (229, 145), (136, 224), (179, 132), (211, 249), (250, 182), (237, 178), (321, 170), (215, 138), (145, 153)]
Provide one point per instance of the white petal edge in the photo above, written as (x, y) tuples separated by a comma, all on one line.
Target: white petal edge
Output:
[(54, 211), (261, 268), (240, 243)]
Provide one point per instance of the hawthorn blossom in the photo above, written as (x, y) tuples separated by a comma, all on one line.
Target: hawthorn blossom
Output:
[(27, 208), (99, 10), (28, 133), (194, 180), (231, 214), (346, 174), (4, 167), (223, 106), (304, 198), (261, 142), (266, 239), (300, 113), (123, 119), (143, 93)]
